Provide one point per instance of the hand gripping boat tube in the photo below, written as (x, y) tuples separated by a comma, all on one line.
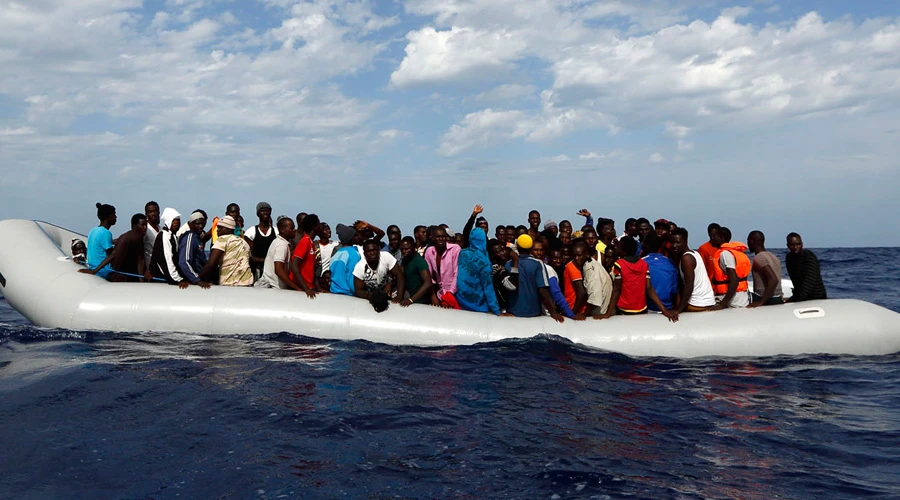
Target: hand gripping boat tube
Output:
[(45, 286)]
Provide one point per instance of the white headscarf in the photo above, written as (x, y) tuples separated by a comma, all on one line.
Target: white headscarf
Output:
[(168, 215)]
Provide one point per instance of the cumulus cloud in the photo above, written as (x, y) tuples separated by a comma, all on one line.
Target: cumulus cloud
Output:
[(453, 55)]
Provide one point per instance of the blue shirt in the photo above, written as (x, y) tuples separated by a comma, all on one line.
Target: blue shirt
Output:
[(663, 279), (99, 243), (342, 263), (525, 302)]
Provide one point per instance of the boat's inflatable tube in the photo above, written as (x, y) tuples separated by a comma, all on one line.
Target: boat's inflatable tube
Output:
[(41, 283)]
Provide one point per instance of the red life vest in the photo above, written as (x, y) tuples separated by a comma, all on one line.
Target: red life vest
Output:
[(742, 268)]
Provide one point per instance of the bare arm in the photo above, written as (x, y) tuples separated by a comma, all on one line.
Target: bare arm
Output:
[(107, 260), (359, 287), (299, 281), (423, 290), (688, 265), (613, 300), (673, 317), (544, 292), (281, 270), (771, 280), (732, 288), (215, 258)]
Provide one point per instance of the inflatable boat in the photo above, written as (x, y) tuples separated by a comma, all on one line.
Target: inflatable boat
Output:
[(39, 280)]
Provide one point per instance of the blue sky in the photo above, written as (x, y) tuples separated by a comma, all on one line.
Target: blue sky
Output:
[(779, 116)]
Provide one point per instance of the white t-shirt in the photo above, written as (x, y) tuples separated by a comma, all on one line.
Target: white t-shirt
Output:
[(703, 292), (149, 241), (279, 251), (251, 233), (325, 252), (740, 299), (375, 279)]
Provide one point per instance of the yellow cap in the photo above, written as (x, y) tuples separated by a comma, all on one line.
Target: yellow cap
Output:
[(524, 242)]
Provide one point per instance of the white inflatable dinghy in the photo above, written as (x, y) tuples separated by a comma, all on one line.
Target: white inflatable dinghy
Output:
[(39, 281)]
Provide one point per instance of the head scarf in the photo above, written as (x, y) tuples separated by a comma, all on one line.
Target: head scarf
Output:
[(168, 215), (345, 234), (474, 282), (226, 222)]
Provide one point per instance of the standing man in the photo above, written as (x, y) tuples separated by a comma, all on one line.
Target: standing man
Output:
[(151, 210), (129, 252), (766, 272), (697, 294), (707, 251), (534, 223), (260, 237), (303, 261), (803, 268), (731, 271)]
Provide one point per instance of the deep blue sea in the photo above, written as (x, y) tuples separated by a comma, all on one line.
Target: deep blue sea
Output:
[(87, 415)]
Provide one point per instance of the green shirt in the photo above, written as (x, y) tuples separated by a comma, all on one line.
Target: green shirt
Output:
[(412, 273)]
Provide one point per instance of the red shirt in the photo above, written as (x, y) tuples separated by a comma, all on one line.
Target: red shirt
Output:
[(633, 297), (305, 252), (570, 275)]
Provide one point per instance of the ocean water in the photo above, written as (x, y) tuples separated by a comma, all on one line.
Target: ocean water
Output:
[(88, 415)]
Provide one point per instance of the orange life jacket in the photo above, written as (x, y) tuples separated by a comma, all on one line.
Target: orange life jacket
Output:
[(742, 268)]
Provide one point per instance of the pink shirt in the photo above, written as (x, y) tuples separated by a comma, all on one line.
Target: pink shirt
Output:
[(446, 280)]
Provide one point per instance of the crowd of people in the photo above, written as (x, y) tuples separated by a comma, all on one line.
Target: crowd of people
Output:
[(525, 270)]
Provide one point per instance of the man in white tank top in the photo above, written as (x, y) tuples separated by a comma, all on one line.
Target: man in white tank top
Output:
[(697, 294)]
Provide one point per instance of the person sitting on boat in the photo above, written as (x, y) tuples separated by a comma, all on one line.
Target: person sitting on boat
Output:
[(164, 262), (344, 260), (731, 271), (366, 231), (276, 270), (803, 268), (766, 272), (632, 284), (696, 293), (128, 265), (663, 273), (415, 273), (303, 260), (230, 254), (79, 252), (573, 280), (371, 275), (474, 281), (443, 260), (539, 252), (100, 243), (532, 293), (191, 256), (260, 237), (325, 247)]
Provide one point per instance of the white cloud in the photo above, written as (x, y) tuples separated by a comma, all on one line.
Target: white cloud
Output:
[(656, 158), (453, 55)]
